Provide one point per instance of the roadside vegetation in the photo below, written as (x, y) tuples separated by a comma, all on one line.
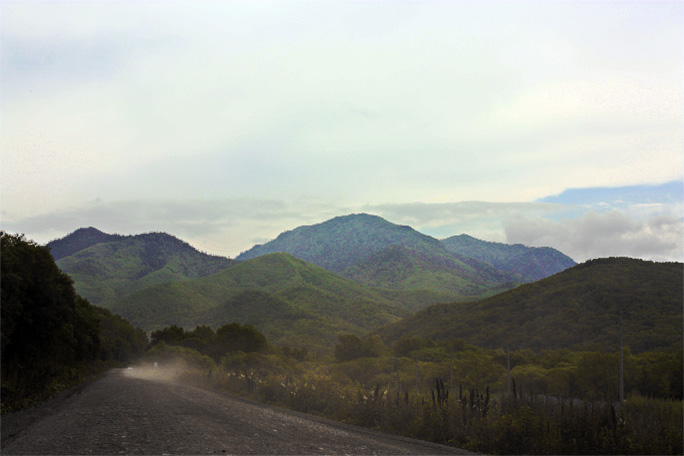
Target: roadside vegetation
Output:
[(52, 338), (556, 401)]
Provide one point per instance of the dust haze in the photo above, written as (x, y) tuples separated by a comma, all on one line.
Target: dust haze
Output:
[(168, 371)]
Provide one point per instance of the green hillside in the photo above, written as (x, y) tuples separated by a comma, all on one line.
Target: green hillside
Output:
[(532, 263), (577, 308), (370, 250), (401, 268), (106, 271), (79, 240), (289, 300)]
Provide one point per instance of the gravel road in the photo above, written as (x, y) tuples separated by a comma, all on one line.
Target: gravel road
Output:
[(129, 413)]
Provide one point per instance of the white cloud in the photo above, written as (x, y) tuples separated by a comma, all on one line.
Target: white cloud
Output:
[(223, 227), (347, 105), (594, 235)]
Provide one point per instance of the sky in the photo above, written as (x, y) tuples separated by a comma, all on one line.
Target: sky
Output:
[(225, 123)]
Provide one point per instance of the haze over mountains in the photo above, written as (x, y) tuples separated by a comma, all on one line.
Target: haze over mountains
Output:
[(349, 274), (371, 250)]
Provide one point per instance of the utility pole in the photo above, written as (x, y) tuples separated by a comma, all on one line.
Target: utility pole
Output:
[(451, 382), (416, 375), (622, 357), (508, 369)]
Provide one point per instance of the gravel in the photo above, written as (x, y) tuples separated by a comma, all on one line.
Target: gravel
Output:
[(129, 412)]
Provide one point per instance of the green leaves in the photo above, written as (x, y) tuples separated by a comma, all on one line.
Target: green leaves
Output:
[(577, 308), (49, 333)]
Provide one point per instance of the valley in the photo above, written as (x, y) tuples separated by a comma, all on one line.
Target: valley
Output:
[(408, 337), (351, 274)]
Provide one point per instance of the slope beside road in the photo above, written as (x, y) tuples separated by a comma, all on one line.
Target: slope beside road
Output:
[(126, 413)]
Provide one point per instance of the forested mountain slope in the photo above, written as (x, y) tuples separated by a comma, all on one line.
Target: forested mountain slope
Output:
[(289, 300), (577, 308), (79, 240), (532, 263), (107, 267), (369, 249)]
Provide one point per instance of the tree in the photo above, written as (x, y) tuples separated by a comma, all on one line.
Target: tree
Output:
[(172, 335), (235, 337), (47, 329), (349, 348)]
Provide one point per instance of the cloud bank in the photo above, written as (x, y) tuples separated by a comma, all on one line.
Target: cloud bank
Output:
[(630, 227), (229, 122)]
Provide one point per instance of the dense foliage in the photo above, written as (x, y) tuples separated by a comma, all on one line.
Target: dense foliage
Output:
[(556, 402), (532, 263), (402, 268), (79, 240), (289, 300), (106, 267), (228, 338), (51, 335), (375, 252), (577, 308)]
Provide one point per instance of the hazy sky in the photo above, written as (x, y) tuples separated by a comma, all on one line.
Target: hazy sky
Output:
[(225, 123)]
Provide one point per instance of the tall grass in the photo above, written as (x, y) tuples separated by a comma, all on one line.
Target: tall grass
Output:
[(476, 420)]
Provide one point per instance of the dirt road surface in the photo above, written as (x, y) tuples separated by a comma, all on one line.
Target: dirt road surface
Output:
[(127, 412)]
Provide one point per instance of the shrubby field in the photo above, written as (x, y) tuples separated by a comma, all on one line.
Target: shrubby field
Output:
[(550, 402)]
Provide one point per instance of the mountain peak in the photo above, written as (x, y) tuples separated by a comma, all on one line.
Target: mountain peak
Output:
[(533, 263), (107, 266), (79, 240), (340, 242)]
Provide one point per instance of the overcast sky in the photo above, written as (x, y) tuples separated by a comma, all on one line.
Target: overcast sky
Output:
[(225, 123)]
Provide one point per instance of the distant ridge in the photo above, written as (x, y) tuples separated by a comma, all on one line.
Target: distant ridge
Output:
[(106, 267), (79, 240), (340, 242), (370, 250), (532, 263)]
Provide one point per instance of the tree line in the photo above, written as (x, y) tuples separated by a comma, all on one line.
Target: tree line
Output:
[(51, 336)]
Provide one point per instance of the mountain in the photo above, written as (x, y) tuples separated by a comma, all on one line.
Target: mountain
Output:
[(79, 240), (532, 263), (369, 249), (342, 241), (289, 300), (577, 308), (106, 267), (401, 268)]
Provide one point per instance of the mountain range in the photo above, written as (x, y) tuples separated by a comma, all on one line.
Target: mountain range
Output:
[(106, 267), (353, 274), (289, 300), (531, 263), (370, 250)]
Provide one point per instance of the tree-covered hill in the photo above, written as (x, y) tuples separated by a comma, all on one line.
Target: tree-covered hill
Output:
[(50, 334), (341, 242), (289, 300), (79, 240), (532, 263), (577, 308), (398, 267), (369, 249), (107, 267)]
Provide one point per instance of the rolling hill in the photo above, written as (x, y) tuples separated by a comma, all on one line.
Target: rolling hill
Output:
[(106, 267), (289, 300), (577, 308), (370, 250), (532, 263)]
